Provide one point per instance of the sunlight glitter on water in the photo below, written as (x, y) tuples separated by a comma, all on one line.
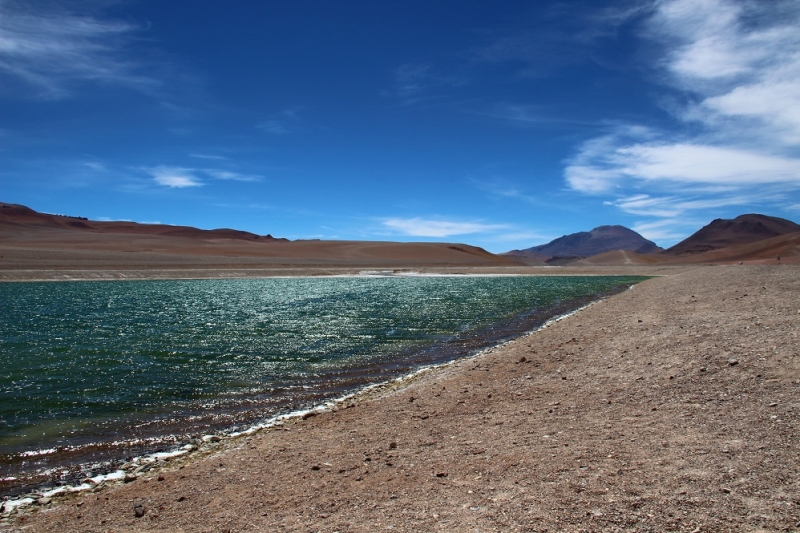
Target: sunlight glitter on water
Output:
[(85, 364)]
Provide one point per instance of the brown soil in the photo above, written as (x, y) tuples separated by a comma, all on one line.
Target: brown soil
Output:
[(41, 246), (671, 407)]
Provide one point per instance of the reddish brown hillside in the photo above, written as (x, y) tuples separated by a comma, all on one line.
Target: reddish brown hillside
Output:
[(767, 251), (19, 216), (743, 229), (31, 240)]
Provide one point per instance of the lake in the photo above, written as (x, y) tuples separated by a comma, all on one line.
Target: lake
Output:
[(94, 372)]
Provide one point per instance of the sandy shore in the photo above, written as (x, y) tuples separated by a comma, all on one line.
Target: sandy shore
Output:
[(671, 407)]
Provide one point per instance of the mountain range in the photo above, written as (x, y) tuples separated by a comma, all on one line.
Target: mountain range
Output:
[(746, 237)]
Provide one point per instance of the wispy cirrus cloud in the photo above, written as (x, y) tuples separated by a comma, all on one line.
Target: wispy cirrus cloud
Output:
[(52, 49), (212, 157), (421, 81), (230, 176), (737, 65), (283, 122), (175, 177), (182, 177), (505, 189), (435, 227)]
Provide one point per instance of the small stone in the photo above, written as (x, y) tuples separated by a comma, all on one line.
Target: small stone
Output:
[(211, 438), (733, 362), (441, 474), (138, 510), (726, 490), (161, 477), (523, 359), (392, 445), (315, 467), (309, 414), (44, 501), (129, 478), (774, 404)]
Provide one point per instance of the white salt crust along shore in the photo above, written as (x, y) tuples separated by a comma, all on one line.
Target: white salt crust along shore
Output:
[(151, 462)]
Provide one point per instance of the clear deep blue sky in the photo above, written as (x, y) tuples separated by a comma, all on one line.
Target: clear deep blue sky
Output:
[(498, 123)]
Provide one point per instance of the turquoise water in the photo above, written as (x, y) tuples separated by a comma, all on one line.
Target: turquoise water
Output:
[(93, 371)]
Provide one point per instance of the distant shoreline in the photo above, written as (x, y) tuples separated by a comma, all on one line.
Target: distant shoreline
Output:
[(37, 275)]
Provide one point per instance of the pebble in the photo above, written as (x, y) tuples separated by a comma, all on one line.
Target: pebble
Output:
[(733, 362), (44, 501), (138, 510)]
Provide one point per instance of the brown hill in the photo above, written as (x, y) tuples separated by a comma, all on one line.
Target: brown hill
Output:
[(588, 243), (722, 233), (32, 240), (19, 215), (781, 249)]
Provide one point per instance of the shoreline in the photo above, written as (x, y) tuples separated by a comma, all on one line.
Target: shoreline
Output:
[(130, 274), (668, 407), (417, 362)]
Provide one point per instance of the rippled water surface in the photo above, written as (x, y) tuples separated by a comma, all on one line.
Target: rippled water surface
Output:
[(93, 371)]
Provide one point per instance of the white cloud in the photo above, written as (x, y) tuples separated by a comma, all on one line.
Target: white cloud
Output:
[(737, 63), (679, 163), (209, 156), (174, 177), (421, 227), (94, 165), (181, 177), (230, 176), (741, 60), (52, 49), (668, 230)]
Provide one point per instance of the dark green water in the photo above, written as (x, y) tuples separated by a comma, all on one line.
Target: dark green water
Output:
[(93, 371)]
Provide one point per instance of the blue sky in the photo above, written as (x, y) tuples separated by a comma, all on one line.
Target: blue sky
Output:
[(499, 123)]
